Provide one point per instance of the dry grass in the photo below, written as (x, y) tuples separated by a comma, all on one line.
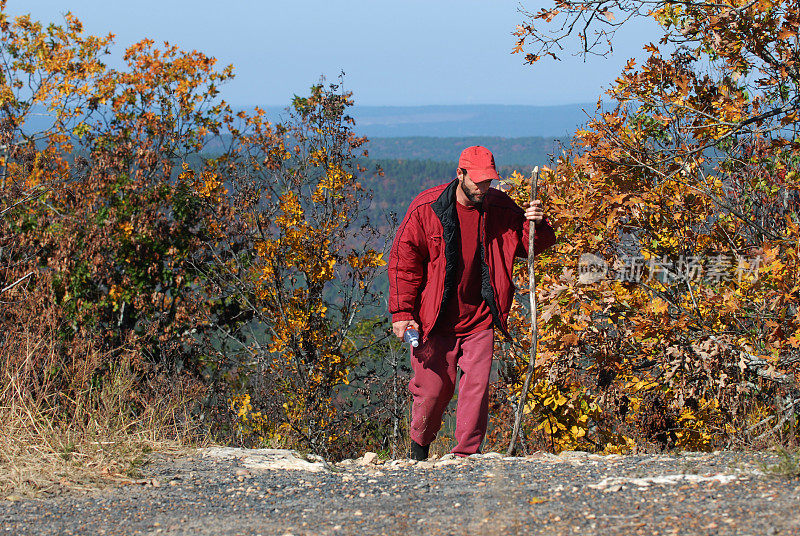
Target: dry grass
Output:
[(788, 464), (85, 435)]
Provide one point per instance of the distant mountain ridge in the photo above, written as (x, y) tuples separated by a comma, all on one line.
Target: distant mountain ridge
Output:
[(507, 121), (458, 121), (519, 152)]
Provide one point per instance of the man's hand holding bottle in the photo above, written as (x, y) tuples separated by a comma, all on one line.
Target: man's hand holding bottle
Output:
[(408, 330)]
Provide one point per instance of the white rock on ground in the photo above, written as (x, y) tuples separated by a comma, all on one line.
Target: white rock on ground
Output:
[(269, 459), (266, 459), (447, 461), (616, 483), (368, 458)]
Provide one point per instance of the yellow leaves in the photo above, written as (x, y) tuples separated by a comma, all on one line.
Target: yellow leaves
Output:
[(563, 414), (250, 423), (659, 306), (263, 270), (55, 64), (115, 293), (694, 427), (620, 444), (366, 260), (636, 385), (332, 359), (36, 173), (127, 229), (240, 404), (207, 185), (320, 193), (794, 340), (334, 183), (670, 13), (6, 95), (80, 130), (319, 157), (577, 431), (210, 186), (266, 248), (303, 247), (554, 400), (770, 261), (291, 211), (325, 269)]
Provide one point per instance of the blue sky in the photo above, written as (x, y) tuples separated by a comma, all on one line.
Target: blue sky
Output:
[(409, 52)]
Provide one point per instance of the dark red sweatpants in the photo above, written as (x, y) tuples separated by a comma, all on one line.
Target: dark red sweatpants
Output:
[(434, 364)]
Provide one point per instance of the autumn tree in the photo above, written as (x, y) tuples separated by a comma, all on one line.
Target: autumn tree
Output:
[(295, 270), (99, 225), (42, 73), (684, 185), (163, 258)]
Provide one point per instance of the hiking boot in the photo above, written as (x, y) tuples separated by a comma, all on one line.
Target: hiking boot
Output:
[(418, 452)]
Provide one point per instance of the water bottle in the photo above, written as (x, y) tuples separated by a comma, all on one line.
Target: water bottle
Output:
[(411, 336)]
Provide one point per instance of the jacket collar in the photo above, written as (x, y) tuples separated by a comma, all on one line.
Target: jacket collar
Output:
[(446, 199)]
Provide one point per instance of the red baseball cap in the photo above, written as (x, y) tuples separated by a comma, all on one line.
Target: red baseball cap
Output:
[(479, 163)]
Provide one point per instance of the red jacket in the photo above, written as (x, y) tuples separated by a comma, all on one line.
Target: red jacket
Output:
[(422, 264)]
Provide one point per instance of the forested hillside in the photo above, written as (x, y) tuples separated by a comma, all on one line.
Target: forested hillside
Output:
[(528, 151), (461, 120), (403, 179)]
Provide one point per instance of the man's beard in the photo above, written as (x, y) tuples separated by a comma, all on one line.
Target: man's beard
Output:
[(475, 198)]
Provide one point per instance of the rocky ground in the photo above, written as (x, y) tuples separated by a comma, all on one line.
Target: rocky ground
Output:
[(268, 492)]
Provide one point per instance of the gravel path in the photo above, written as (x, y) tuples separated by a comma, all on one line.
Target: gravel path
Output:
[(232, 492)]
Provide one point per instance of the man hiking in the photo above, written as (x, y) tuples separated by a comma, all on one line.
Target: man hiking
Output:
[(450, 278)]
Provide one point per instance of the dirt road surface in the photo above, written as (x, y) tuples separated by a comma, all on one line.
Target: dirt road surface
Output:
[(238, 492)]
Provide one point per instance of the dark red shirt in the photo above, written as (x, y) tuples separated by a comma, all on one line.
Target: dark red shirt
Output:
[(466, 312)]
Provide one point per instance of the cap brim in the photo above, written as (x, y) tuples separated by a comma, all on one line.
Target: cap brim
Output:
[(483, 175)]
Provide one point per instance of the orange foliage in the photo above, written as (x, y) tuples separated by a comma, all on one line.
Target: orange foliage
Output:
[(693, 176), (238, 270)]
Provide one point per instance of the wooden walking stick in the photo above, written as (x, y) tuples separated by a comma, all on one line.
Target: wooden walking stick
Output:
[(534, 330)]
